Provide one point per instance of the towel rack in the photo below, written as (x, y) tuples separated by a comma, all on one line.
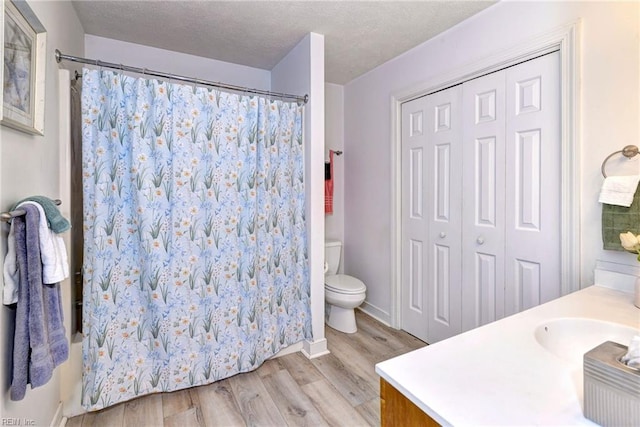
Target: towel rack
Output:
[(7, 216), (629, 151)]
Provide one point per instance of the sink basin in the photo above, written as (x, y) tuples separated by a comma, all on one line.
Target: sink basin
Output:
[(570, 338)]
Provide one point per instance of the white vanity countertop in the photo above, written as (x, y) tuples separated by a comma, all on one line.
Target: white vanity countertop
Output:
[(498, 374)]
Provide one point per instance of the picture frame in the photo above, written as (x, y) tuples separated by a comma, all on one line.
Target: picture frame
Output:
[(24, 60)]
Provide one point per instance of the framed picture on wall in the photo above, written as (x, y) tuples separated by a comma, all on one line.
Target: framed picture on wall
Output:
[(23, 75)]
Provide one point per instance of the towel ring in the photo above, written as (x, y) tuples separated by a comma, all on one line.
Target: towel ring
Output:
[(629, 151)]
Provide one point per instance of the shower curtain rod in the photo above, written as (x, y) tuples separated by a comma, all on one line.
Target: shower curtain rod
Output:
[(144, 71)]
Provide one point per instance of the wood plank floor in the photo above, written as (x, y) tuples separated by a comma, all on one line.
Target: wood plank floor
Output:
[(339, 389)]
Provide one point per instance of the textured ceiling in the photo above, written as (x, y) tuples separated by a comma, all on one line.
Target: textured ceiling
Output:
[(359, 35)]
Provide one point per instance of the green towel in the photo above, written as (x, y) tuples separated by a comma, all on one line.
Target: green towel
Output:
[(620, 219), (57, 223)]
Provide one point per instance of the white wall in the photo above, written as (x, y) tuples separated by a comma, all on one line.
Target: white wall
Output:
[(28, 166), (334, 140), (302, 72), (610, 111), (167, 61)]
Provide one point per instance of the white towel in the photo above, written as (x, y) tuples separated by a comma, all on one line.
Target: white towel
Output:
[(53, 253), (10, 271), (619, 190)]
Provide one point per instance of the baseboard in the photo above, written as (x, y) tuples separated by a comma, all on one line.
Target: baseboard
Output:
[(313, 349), (378, 314), (58, 420)]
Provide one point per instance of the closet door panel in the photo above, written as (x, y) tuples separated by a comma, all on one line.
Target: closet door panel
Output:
[(483, 178), (533, 191), (414, 219), (444, 157), (485, 175), (527, 170), (484, 273)]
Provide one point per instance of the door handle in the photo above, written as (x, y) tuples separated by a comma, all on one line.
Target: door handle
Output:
[(443, 234), (480, 240)]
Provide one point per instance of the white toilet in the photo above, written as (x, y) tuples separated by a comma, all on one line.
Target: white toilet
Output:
[(342, 293)]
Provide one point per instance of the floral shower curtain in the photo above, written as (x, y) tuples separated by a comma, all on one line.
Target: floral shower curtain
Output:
[(195, 264)]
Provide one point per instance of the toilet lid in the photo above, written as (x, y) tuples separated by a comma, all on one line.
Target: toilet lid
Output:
[(341, 283)]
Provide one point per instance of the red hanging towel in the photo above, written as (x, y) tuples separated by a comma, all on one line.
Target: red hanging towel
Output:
[(328, 187)]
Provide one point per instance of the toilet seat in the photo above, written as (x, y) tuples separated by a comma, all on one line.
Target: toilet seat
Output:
[(344, 284)]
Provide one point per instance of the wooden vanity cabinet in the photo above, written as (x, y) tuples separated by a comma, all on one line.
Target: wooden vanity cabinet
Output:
[(398, 411)]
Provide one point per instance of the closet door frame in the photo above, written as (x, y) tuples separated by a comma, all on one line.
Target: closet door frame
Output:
[(565, 40)]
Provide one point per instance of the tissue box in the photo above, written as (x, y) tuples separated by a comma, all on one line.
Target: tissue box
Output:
[(611, 389)]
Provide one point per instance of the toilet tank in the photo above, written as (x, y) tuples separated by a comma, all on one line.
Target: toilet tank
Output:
[(332, 250)]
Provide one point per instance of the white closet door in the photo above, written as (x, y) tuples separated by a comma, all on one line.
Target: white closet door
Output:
[(533, 184), (481, 200), (414, 218), (483, 217), (444, 208), (431, 215)]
